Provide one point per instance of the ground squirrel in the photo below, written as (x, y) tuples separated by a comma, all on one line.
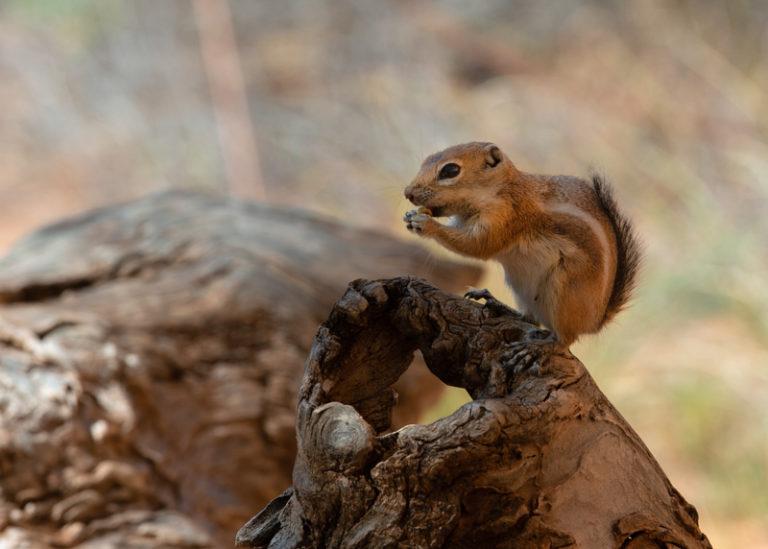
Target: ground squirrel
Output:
[(569, 255)]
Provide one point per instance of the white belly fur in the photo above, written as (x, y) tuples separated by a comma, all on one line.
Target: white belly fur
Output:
[(529, 267)]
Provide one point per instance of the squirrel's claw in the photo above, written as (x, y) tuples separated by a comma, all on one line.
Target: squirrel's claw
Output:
[(530, 354), (494, 305), (477, 295), (522, 356)]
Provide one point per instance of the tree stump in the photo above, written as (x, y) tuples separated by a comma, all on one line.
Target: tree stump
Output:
[(533, 461), (150, 355)]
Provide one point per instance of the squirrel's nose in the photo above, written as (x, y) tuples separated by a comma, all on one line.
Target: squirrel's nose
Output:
[(409, 192)]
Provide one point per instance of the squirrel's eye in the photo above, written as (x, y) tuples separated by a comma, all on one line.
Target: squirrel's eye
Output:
[(448, 171)]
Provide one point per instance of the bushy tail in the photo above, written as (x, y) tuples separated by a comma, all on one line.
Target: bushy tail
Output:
[(628, 250)]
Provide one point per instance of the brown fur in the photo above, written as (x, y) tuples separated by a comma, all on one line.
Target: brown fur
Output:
[(568, 253)]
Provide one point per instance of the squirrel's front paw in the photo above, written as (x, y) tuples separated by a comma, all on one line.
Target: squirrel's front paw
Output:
[(418, 220)]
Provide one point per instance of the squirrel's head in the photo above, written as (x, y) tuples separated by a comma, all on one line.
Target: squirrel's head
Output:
[(456, 180)]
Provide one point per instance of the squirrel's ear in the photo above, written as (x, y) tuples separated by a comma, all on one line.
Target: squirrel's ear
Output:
[(493, 156)]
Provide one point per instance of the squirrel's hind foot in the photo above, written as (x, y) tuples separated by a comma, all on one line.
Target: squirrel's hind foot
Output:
[(532, 354)]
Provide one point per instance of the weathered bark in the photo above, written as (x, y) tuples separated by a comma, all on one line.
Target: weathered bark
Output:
[(150, 355), (533, 461)]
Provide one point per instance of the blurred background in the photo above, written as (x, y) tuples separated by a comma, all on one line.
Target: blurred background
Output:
[(331, 106)]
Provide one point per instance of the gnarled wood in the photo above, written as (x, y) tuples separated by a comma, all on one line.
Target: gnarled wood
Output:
[(532, 461), (150, 355)]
